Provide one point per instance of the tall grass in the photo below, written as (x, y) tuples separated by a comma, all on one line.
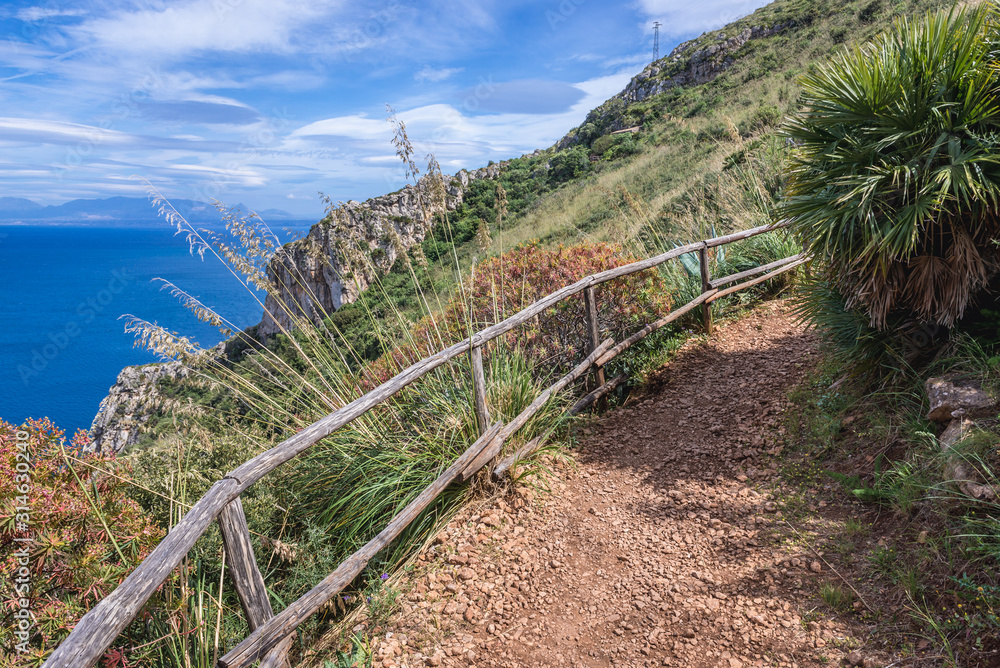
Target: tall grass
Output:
[(938, 558), (744, 193), (337, 495), (310, 516)]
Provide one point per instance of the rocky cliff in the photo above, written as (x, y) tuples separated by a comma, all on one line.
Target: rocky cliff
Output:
[(130, 404), (124, 416), (694, 62), (329, 268), (342, 253)]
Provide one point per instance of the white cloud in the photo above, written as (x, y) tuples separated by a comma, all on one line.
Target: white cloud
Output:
[(457, 138), (59, 132), (357, 126), (428, 73), (223, 25), (236, 174), (158, 73), (381, 159), (638, 59), (31, 14), (295, 80), (680, 19)]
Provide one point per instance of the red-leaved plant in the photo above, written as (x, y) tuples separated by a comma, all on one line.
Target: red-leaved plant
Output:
[(501, 286), (83, 535)]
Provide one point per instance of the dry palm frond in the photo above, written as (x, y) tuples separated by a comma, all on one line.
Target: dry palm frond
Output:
[(929, 278)]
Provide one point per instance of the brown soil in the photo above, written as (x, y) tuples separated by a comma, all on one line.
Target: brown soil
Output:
[(669, 543)]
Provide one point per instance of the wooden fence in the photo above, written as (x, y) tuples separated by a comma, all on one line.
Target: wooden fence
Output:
[(271, 635)]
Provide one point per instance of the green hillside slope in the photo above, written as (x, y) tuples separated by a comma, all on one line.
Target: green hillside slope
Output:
[(703, 157)]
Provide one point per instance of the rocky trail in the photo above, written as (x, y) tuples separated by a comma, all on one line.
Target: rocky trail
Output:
[(665, 545)]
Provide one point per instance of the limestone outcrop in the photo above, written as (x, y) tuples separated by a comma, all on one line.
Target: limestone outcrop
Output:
[(329, 268), (954, 397), (684, 67), (131, 402), (958, 400), (344, 252)]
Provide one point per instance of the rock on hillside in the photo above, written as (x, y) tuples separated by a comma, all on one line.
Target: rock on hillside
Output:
[(341, 254), (130, 403), (339, 257), (381, 228), (691, 63), (685, 66), (124, 415)]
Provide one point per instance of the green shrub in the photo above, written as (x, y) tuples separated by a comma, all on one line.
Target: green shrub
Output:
[(602, 144), (763, 118), (502, 286), (895, 178), (870, 11), (569, 164), (625, 147)]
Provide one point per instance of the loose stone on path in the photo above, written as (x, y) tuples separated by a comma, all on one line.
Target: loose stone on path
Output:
[(658, 550)]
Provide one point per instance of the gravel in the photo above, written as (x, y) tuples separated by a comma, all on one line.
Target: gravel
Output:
[(662, 547)]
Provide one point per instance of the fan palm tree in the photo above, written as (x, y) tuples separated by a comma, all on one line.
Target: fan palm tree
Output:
[(895, 177)]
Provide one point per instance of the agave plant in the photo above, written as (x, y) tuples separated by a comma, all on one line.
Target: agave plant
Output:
[(895, 176)]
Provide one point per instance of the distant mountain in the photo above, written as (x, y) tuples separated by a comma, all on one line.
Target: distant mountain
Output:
[(117, 211), (19, 204)]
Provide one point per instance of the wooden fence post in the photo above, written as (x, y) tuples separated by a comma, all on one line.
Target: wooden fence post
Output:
[(247, 580), (97, 629), (479, 388), (706, 278), (590, 305)]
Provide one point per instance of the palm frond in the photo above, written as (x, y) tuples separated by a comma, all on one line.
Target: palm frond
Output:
[(896, 171)]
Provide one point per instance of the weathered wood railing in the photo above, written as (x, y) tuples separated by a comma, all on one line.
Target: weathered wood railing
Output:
[(271, 635)]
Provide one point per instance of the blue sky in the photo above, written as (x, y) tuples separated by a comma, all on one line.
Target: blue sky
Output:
[(269, 102)]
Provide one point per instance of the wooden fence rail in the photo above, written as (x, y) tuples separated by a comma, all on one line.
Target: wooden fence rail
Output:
[(271, 635)]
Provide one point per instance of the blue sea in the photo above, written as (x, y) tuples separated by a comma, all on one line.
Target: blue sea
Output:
[(63, 290)]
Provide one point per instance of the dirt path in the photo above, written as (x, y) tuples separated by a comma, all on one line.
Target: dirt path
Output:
[(661, 548)]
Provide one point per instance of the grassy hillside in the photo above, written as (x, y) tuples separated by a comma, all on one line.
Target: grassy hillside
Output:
[(690, 134), (705, 158)]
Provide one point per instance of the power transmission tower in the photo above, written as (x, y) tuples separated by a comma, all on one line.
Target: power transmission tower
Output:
[(656, 41)]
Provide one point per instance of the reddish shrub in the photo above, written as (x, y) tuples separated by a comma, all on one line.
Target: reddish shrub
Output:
[(71, 559), (501, 286)]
